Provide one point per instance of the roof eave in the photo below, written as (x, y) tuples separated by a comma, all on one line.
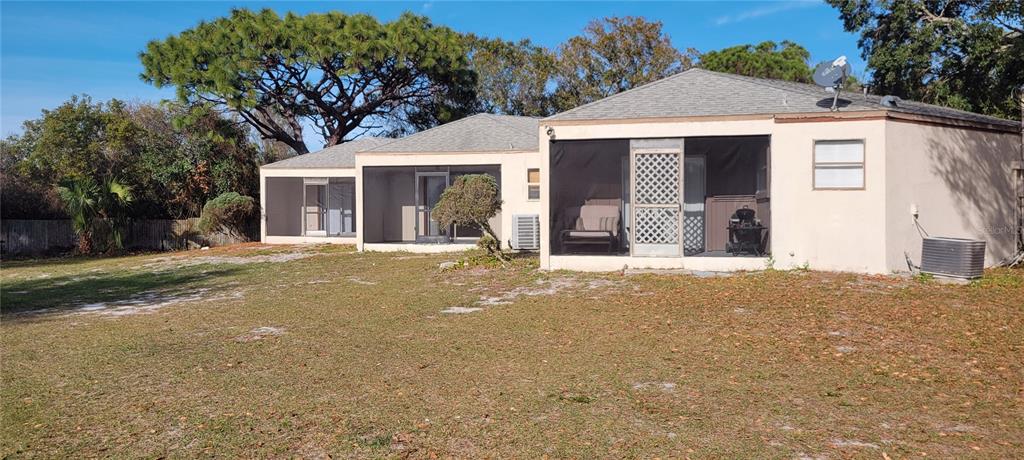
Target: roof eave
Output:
[(447, 152), (800, 117), (272, 168)]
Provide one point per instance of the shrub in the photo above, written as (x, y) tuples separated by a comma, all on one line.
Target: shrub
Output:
[(226, 213), (472, 201)]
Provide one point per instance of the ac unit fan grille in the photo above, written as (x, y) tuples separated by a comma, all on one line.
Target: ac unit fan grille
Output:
[(526, 232), (956, 257)]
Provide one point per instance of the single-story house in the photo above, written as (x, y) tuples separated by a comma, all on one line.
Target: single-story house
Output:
[(700, 170), (850, 190), (379, 193)]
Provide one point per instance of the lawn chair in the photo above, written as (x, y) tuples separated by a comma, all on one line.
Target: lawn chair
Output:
[(596, 225)]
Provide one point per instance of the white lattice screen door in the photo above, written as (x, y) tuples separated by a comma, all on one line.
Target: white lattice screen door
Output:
[(657, 196)]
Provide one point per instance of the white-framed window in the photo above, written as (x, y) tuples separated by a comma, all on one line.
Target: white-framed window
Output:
[(839, 165), (533, 184)]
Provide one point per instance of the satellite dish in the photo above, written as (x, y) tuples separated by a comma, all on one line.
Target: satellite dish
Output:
[(831, 75)]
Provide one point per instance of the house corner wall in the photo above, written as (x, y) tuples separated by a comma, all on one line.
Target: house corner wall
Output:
[(960, 182), (263, 207), (836, 230), (544, 206)]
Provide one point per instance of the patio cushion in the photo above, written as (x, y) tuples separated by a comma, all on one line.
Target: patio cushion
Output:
[(599, 218), (600, 234)]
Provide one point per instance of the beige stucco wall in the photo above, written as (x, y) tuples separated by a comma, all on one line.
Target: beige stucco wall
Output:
[(960, 182), (828, 230), (842, 230), (514, 165)]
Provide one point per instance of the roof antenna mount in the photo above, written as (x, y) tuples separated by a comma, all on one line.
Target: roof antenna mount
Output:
[(831, 75)]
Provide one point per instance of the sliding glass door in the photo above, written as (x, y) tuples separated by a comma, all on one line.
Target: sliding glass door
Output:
[(429, 186), (314, 207), (328, 206), (341, 207)]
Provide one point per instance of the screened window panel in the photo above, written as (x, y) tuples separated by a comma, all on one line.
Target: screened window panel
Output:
[(839, 152), (839, 176), (341, 208), (534, 192)]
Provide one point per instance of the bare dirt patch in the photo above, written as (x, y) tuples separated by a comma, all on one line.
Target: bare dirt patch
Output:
[(142, 303), (460, 310), (667, 387), (181, 261), (553, 286), (260, 333)]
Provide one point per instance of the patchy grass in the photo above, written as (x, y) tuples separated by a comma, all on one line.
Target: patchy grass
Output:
[(349, 354)]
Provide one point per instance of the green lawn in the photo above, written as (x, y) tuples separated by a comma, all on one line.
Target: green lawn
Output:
[(279, 352)]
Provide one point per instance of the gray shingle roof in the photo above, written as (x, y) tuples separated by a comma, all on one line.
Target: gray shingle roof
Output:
[(482, 132), (700, 92), (338, 156)]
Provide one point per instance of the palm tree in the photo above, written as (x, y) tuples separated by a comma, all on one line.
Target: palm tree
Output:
[(79, 197), (114, 202), (96, 210)]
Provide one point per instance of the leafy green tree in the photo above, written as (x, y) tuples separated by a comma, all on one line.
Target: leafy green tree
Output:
[(24, 197), (227, 213), (785, 61), (173, 156), (80, 138), (513, 78), (192, 154), (613, 55), (98, 211), (472, 200), (965, 54), (337, 73)]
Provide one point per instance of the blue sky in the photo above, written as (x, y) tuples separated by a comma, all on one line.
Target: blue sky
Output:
[(52, 50)]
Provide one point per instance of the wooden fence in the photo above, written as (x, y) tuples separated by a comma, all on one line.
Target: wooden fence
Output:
[(37, 237)]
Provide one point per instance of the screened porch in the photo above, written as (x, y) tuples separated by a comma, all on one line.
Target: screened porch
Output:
[(310, 206), (400, 199), (694, 197)]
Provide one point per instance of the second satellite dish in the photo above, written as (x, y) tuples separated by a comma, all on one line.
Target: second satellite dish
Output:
[(831, 75)]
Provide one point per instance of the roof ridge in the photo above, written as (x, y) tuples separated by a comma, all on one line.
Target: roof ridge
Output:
[(385, 141), (496, 132), (631, 90), (492, 116), (808, 89), (795, 86), (432, 128)]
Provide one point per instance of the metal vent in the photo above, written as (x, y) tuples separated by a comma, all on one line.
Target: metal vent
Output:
[(956, 257), (526, 232)]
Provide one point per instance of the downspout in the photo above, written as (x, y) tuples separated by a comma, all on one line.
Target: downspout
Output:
[(1018, 172)]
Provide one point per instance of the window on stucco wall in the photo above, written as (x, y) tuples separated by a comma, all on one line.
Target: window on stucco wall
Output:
[(839, 165), (533, 184)]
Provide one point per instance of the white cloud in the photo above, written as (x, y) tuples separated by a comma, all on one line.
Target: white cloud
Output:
[(763, 10)]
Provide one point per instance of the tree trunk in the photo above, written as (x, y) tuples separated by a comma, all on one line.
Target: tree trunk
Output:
[(85, 242), (495, 249)]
